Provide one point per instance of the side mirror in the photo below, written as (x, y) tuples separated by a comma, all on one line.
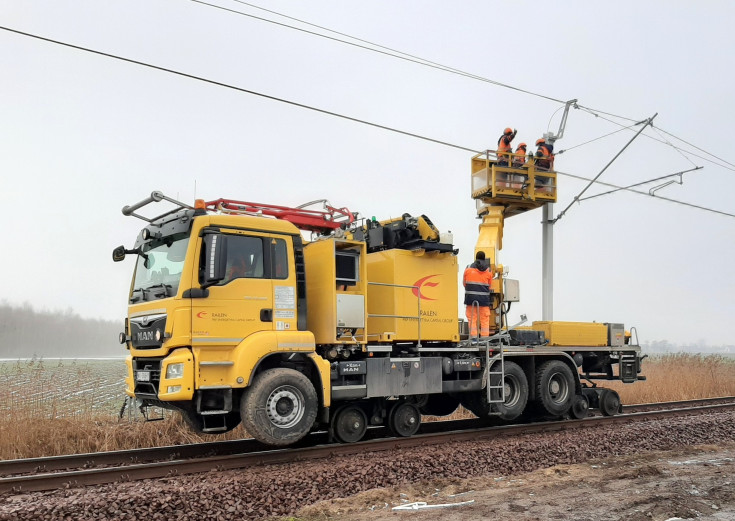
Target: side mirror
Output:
[(214, 261), (118, 254)]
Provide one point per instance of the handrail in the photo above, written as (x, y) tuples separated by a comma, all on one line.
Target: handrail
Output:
[(527, 181), (417, 317)]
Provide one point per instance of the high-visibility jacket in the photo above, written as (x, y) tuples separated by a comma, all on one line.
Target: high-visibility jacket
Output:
[(477, 281), (519, 159), (545, 156), (504, 149)]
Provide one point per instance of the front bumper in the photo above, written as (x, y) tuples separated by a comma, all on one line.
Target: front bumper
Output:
[(150, 378)]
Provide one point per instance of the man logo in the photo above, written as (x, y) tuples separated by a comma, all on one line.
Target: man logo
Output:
[(202, 314), (424, 283)]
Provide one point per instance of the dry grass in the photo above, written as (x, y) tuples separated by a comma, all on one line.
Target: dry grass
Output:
[(27, 437), (679, 377), (52, 408)]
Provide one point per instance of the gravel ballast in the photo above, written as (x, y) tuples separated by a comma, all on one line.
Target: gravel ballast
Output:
[(258, 493)]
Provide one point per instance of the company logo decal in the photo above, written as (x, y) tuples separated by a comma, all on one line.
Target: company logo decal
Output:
[(202, 314), (424, 283)]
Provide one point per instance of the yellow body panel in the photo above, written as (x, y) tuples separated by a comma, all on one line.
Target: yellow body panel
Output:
[(572, 333), (323, 367), (212, 369), (404, 270), (322, 289), (129, 383), (186, 382)]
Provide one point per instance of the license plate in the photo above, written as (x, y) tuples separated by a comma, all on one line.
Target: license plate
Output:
[(143, 376)]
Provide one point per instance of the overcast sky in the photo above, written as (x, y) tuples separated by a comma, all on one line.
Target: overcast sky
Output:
[(82, 135)]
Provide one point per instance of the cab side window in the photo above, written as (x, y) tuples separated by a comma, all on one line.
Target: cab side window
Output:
[(244, 258)]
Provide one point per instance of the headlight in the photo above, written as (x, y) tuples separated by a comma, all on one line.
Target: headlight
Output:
[(174, 388), (174, 371)]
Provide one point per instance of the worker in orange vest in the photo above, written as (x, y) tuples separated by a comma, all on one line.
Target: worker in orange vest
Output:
[(544, 155), (520, 156), (505, 150), (477, 280)]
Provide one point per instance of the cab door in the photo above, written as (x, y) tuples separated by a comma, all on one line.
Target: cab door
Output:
[(257, 293)]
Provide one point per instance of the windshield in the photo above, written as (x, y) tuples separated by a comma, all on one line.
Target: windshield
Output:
[(158, 270)]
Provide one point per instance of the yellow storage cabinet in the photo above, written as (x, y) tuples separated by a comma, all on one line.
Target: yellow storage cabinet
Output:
[(408, 284)]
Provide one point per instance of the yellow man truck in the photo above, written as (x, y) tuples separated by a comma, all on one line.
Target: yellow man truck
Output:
[(235, 317)]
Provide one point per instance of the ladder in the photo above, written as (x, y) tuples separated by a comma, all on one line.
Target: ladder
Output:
[(495, 379)]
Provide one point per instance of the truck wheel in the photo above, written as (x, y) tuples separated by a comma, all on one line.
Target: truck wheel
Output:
[(515, 386), (555, 387), (349, 424), (404, 419), (280, 407), (609, 402)]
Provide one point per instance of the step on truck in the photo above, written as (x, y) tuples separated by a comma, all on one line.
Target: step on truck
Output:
[(236, 317)]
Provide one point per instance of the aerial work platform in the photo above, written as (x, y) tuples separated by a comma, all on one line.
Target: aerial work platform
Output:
[(516, 188)]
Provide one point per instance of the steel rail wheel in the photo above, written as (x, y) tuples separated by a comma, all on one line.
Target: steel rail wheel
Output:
[(349, 424), (404, 419), (609, 402), (580, 407)]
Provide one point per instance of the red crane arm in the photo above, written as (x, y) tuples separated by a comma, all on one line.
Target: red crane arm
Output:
[(323, 221)]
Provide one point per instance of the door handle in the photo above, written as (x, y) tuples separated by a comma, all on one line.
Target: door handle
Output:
[(266, 315)]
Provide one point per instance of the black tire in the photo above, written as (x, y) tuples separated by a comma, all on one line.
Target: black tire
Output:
[(516, 392), (349, 424), (404, 419), (279, 407), (580, 407), (439, 405), (609, 402), (555, 387)]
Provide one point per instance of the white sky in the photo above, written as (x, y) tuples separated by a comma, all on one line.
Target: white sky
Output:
[(83, 135)]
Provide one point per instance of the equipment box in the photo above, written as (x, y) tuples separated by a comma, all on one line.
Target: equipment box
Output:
[(573, 333), (403, 376), (526, 337), (616, 334)]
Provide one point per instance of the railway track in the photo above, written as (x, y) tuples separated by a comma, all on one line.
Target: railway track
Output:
[(51, 473)]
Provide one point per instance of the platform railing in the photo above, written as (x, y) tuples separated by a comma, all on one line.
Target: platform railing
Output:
[(493, 178)]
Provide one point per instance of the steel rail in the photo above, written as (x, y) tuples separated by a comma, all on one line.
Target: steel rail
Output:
[(218, 448), (39, 482), (640, 407)]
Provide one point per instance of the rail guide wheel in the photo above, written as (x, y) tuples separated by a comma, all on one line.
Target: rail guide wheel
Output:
[(404, 419), (349, 424), (580, 407), (610, 402)]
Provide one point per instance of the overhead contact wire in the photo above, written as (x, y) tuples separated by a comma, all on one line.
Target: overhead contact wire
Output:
[(695, 146), (191, 76), (682, 154), (676, 201), (593, 140), (393, 53), (240, 89), (671, 144), (423, 61)]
